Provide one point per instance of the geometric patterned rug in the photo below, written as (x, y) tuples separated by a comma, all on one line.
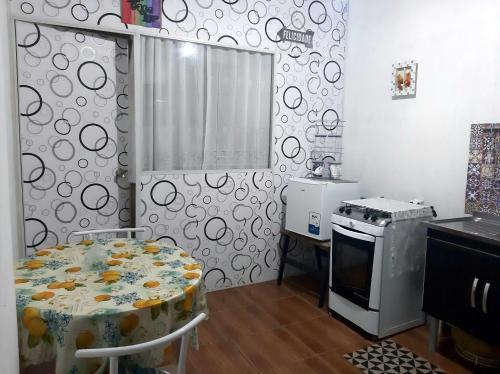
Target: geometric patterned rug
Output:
[(388, 357)]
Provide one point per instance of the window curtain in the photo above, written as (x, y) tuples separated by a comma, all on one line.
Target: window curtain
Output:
[(204, 107)]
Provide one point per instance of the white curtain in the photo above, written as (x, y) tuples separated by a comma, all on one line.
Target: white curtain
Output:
[(204, 107)]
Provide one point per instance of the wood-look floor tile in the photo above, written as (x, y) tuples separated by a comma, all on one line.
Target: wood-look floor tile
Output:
[(272, 348), (238, 322), (416, 341), (291, 309), (279, 329), (313, 299), (307, 288), (218, 357), (267, 291), (301, 283), (228, 298), (313, 365), (326, 333), (209, 331), (340, 365)]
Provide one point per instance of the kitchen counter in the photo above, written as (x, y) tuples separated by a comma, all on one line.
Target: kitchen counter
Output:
[(462, 281), (480, 227)]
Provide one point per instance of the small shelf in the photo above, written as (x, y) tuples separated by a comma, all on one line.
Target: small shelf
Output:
[(327, 143)]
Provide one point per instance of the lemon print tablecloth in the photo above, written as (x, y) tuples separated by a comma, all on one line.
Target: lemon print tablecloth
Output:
[(141, 291)]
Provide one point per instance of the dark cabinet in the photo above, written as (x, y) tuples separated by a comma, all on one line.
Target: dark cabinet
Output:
[(462, 287)]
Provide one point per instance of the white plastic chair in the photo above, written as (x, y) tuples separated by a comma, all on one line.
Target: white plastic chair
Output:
[(114, 353), (90, 234)]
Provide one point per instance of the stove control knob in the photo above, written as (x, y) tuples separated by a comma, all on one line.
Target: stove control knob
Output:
[(366, 215), (374, 218), (341, 209), (348, 211)]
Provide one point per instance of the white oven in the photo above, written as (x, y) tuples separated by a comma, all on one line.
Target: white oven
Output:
[(377, 264)]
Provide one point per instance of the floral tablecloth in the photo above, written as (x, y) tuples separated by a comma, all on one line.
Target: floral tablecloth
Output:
[(141, 291)]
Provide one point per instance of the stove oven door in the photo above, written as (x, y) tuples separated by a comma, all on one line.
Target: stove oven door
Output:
[(355, 263)]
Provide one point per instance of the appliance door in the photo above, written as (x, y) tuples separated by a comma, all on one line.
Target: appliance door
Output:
[(352, 265), (304, 209), (469, 295)]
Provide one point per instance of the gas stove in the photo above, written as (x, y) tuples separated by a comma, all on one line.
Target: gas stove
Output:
[(372, 216), (377, 263), (380, 211)]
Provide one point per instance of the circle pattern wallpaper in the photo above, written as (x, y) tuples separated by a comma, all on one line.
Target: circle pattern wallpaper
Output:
[(229, 221), (73, 90)]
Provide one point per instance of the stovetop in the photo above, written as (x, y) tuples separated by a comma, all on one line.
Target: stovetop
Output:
[(380, 211), (372, 216), (478, 226)]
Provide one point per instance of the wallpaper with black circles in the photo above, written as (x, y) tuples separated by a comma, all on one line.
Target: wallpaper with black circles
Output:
[(73, 131), (226, 221), (230, 221)]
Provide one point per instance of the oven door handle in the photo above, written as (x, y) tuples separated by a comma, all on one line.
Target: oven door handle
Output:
[(353, 234)]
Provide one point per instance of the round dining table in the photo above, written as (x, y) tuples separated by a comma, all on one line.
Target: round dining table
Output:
[(103, 293)]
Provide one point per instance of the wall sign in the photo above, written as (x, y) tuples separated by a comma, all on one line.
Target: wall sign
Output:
[(142, 12), (295, 36)]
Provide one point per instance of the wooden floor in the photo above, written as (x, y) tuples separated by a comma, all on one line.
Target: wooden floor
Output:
[(265, 328)]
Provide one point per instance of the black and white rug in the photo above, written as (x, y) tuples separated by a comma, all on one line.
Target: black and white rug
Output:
[(388, 357)]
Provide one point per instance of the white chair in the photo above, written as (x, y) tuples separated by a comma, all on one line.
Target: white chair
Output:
[(90, 234), (115, 352)]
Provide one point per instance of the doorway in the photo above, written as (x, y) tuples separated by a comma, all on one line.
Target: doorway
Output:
[(73, 89)]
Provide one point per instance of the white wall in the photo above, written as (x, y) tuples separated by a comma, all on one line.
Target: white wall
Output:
[(8, 341), (419, 147)]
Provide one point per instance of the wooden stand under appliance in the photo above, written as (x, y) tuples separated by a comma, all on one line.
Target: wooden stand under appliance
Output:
[(321, 272)]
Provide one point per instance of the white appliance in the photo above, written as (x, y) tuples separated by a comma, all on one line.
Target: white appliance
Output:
[(311, 201), (377, 264)]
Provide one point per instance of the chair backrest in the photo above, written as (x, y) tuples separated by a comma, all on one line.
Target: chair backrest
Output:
[(115, 352), (90, 234)]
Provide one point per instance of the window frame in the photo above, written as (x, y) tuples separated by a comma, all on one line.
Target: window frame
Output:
[(272, 52)]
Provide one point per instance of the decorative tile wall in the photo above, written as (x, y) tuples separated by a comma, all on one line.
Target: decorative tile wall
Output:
[(483, 173), (230, 221), (73, 131)]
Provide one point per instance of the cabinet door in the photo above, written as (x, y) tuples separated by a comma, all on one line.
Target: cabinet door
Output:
[(456, 278), (451, 283), (488, 322), (303, 210)]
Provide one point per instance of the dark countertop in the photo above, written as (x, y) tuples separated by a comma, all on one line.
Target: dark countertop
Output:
[(482, 227)]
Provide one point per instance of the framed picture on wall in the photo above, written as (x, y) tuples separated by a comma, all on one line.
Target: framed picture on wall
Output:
[(145, 13), (404, 80)]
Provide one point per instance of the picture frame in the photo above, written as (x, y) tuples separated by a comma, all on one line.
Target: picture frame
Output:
[(404, 80)]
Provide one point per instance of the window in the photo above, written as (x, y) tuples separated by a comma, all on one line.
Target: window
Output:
[(205, 107)]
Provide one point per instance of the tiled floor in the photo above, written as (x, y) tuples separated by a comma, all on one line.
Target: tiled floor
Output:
[(265, 328)]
